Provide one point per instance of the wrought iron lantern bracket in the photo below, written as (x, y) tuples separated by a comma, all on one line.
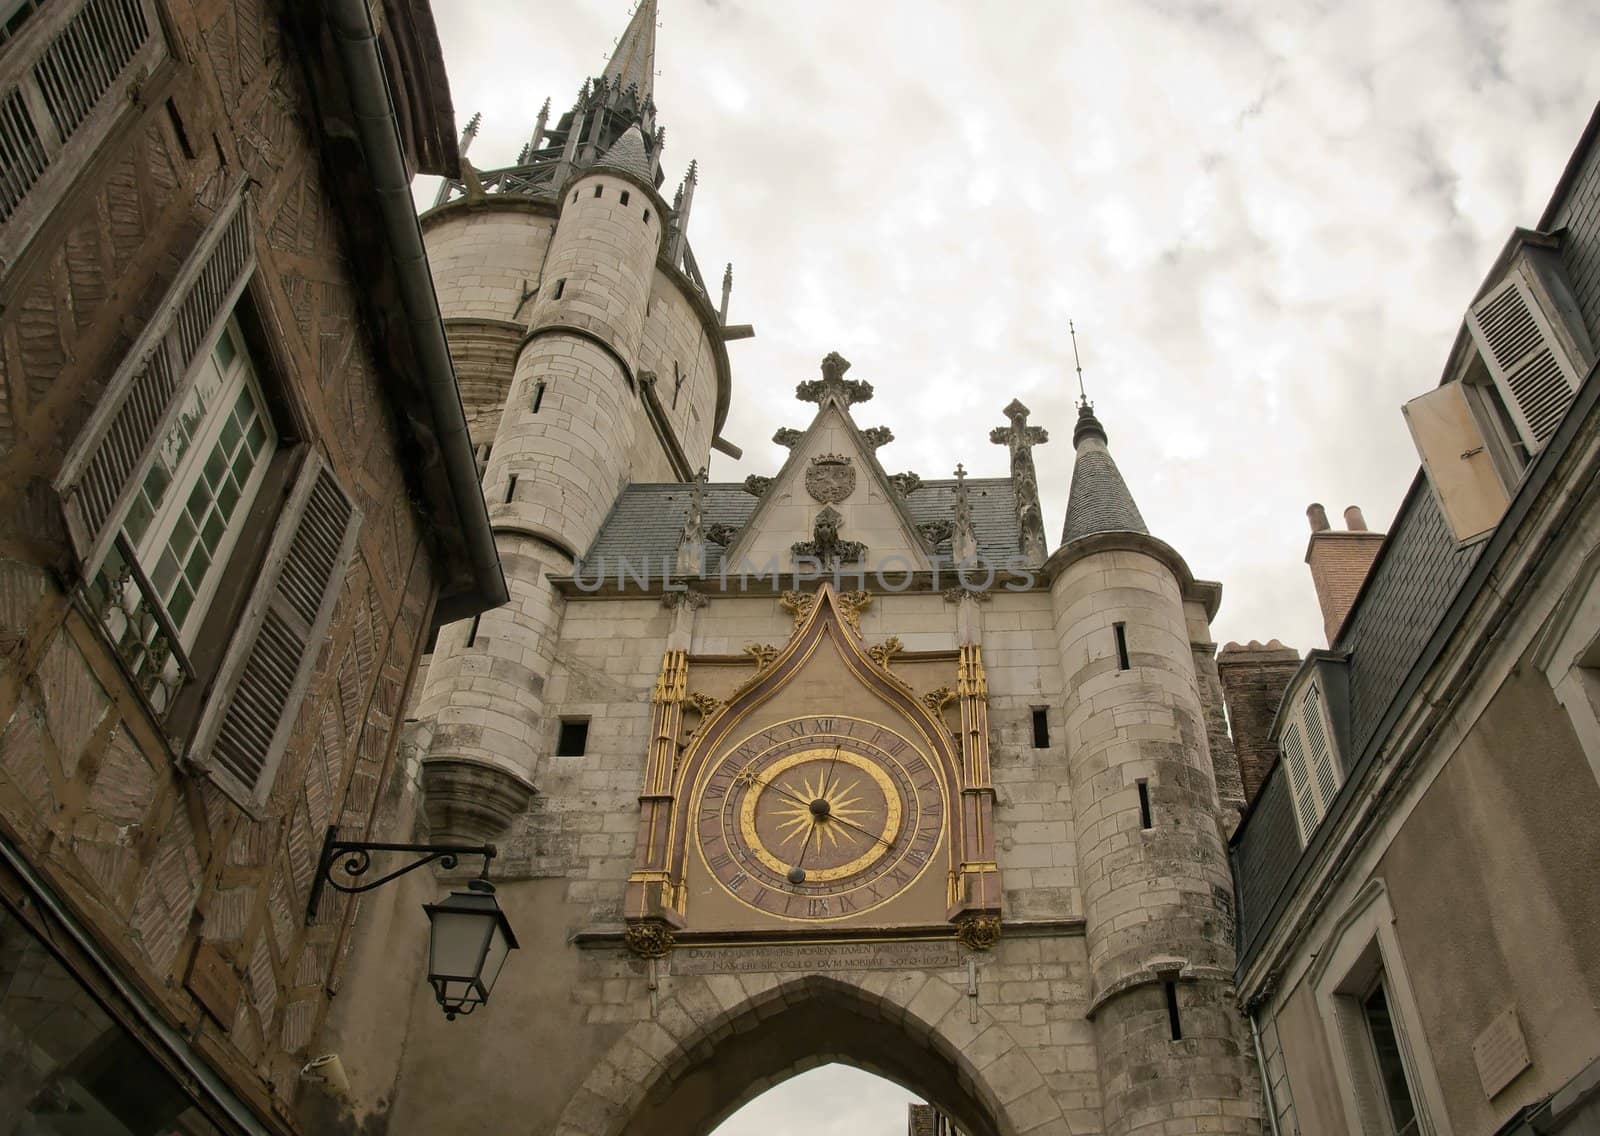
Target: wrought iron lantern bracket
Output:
[(357, 855)]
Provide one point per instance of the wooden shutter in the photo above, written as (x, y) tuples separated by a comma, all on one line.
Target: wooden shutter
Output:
[(1322, 759), (114, 451), (65, 78), (1455, 453), (1526, 359), (1305, 800), (252, 708)]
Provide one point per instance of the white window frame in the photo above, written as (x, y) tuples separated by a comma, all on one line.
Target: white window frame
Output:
[(1568, 653), (22, 75), (1363, 944), (239, 378)]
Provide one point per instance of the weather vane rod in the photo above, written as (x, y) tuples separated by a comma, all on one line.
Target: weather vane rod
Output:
[(1072, 331)]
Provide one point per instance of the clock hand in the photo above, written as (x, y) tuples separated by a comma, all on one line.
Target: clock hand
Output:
[(797, 874), (858, 828), (827, 781)]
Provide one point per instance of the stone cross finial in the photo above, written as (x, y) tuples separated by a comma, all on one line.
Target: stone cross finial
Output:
[(692, 541), (963, 540), (833, 385), (1020, 438)]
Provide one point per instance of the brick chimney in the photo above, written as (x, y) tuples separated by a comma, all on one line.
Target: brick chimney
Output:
[(1339, 563), (1253, 681)]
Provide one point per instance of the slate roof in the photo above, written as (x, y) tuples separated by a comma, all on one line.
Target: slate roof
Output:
[(647, 520), (1099, 500), (627, 154)]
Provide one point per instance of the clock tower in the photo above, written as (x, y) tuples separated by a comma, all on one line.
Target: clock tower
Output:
[(826, 761)]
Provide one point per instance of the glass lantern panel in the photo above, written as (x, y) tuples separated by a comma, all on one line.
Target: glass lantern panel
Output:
[(458, 941)]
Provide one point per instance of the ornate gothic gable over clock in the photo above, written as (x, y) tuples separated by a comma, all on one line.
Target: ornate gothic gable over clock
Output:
[(824, 795)]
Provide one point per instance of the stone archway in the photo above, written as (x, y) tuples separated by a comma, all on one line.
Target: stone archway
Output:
[(719, 1041)]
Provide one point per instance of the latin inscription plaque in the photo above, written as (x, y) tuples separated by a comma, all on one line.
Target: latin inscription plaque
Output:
[(1501, 1053), (814, 957)]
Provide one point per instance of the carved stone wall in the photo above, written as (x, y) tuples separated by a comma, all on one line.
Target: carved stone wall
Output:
[(158, 862)]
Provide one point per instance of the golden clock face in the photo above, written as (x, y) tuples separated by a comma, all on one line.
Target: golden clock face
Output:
[(820, 818)]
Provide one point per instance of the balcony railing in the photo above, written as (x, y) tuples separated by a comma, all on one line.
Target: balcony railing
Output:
[(145, 638)]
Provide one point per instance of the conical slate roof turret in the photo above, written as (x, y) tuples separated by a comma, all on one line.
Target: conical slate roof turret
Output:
[(1100, 501), (627, 154)]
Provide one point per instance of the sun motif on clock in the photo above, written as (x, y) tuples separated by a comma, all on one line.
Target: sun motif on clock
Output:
[(820, 817)]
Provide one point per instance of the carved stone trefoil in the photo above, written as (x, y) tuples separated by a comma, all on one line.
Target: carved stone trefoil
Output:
[(905, 483), (978, 932), (649, 939), (826, 546), (830, 479), (936, 532)]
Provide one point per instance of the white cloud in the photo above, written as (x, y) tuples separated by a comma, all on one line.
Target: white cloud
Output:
[(1266, 220)]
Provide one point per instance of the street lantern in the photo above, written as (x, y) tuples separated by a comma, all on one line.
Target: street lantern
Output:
[(467, 947), (469, 935)]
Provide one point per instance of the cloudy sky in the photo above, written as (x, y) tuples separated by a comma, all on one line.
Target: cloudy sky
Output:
[(1265, 220)]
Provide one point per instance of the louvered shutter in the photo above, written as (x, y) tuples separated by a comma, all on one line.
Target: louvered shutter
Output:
[(1324, 767), (251, 710), (112, 455), (1526, 359), (64, 81), (1305, 798)]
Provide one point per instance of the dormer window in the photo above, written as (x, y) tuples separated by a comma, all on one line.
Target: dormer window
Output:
[(1514, 373), (1309, 756)]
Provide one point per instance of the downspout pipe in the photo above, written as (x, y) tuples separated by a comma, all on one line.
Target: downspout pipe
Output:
[(379, 134), (1266, 1080)]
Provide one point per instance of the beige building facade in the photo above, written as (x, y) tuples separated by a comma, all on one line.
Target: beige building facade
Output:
[(1418, 870)]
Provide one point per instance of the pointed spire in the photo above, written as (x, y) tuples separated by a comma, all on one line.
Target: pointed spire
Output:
[(1020, 438), (633, 63), (1099, 501)]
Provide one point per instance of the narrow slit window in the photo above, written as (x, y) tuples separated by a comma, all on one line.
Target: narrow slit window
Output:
[(574, 195), (1121, 630), (1144, 804), (472, 632), (538, 395), (561, 286), (511, 489), (624, 197), (1173, 1020), (574, 737), (597, 190), (177, 129), (1041, 728), (647, 216)]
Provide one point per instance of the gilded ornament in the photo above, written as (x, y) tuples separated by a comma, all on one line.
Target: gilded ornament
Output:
[(978, 932), (881, 653), (798, 605), (851, 605), (761, 654), (937, 699), (704, 703), (651, 940)]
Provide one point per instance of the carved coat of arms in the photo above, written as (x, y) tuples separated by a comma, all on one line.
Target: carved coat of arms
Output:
[(831, 478)]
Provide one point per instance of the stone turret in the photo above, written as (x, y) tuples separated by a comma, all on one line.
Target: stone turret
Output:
[(1150, 857), (563, 315)]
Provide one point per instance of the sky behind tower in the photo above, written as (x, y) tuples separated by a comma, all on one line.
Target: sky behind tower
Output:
[(1265, 219)]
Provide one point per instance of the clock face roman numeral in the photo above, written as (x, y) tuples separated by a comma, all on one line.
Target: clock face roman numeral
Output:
[(817, 907)]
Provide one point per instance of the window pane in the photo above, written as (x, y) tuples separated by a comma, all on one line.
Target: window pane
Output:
[(139, 518), (230, 434), (1391, 1070), (214, 530), (257, 435), (216, 467), (199, 502), (228, 498), (180, 603), (225, 350), (166, 571), (242, 465), (195, 570), (182, 536)]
